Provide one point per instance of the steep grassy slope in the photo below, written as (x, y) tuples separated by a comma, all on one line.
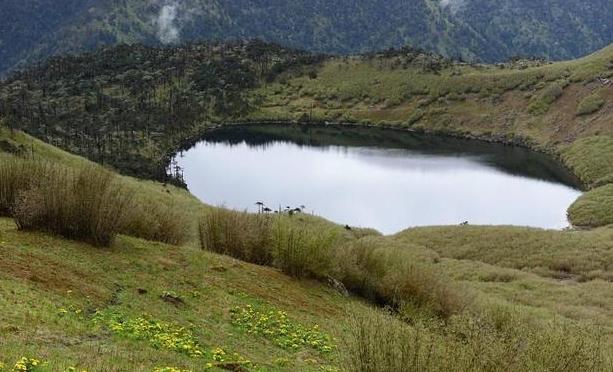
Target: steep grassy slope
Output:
[(560, 29)]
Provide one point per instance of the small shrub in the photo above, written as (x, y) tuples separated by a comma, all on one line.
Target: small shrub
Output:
[(238, 234), (590, 104)]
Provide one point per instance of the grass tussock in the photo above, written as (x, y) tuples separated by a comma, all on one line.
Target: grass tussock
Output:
[(378, 342), (394, 276), (300, 252), (86, 204), (17, 175), (245, 236), (381, 342), (383, 274), (158, 222), (267, 240)]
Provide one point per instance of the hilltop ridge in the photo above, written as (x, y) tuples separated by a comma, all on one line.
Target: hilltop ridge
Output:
[(485, 30)]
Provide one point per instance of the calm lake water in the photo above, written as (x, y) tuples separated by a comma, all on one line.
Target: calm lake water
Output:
[(384, 179)]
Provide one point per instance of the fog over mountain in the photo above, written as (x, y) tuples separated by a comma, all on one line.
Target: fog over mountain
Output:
[(486, 30)]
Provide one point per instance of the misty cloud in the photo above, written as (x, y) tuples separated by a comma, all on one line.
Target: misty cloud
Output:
[(168, 25), (453, 5)]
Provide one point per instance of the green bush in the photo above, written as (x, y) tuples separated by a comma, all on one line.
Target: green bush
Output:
[(590, 105)]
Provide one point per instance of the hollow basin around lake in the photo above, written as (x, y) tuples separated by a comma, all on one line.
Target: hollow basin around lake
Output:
[(385, 179)]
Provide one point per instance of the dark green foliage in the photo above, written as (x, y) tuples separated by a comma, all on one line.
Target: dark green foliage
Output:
[(32, 30), (132, 106)]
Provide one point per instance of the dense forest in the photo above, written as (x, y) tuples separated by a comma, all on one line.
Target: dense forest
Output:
[(131, 106), (486, 30)]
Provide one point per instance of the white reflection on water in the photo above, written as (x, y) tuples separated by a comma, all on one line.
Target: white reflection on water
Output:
[(387, 189)]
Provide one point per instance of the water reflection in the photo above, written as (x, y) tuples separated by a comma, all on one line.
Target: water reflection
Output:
[(384, 179)]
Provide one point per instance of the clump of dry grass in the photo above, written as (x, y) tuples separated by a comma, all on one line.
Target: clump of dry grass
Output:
[(378, 341), (247, 237), (268, 240), (158, 222), (17, 175), (384, 274), (86, 204), (394, 276), (83, 203)]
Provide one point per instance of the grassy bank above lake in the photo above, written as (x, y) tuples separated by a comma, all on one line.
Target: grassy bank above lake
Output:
[(141, 305)]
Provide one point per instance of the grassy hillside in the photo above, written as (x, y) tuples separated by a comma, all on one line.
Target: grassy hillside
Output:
[(140, 305), (133, 107), (458, 298)]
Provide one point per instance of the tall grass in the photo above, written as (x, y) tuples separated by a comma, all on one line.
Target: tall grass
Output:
[(86, 204), (393, 275), (268, 240), (382, 274), (157, 222), (300, 252), (17, 175), (377, 341), (247, 237)]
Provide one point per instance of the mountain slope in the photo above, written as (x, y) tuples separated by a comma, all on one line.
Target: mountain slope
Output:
[(63, 302), (473, 29)]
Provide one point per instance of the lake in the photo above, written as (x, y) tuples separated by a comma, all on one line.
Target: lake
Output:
[(385, 179)]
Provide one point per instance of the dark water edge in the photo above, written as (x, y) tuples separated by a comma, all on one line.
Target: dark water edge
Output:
[(440, 179), (514, 159)]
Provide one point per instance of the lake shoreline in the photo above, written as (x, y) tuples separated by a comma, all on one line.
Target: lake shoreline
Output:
[(465, 172), (514, 141)]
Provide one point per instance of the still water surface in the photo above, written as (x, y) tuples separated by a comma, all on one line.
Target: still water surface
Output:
[(388, 180)]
